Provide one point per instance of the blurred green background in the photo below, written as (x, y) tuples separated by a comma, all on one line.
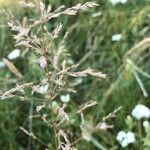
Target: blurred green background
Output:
[(90, 37)]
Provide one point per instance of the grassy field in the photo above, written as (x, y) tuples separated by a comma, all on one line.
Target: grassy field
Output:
[(126, 63)]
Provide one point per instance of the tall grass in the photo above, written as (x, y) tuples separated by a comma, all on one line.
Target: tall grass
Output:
[(126, 66)]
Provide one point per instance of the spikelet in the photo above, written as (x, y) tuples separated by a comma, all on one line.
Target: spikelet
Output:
[(11, 93), (86, 72), (12, 68)]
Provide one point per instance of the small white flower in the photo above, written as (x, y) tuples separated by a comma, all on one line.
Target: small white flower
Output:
[(116, 37), (130, 137), (42, 61), (140, 111), (124, 143), (65, 98), (125, 138), (146, 124), (2, 64), (43, 89), (14, 54), (114, 2), (121, 135)]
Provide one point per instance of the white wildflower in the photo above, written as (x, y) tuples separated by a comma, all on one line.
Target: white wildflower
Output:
[(114, 2), (14, 54), (43, 62), (146, 124), (140, 111), (65, 98), (116, 37), (130, 137), (124, 143), (125, 138), (2, 64), (43, 89), (121, 135)]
